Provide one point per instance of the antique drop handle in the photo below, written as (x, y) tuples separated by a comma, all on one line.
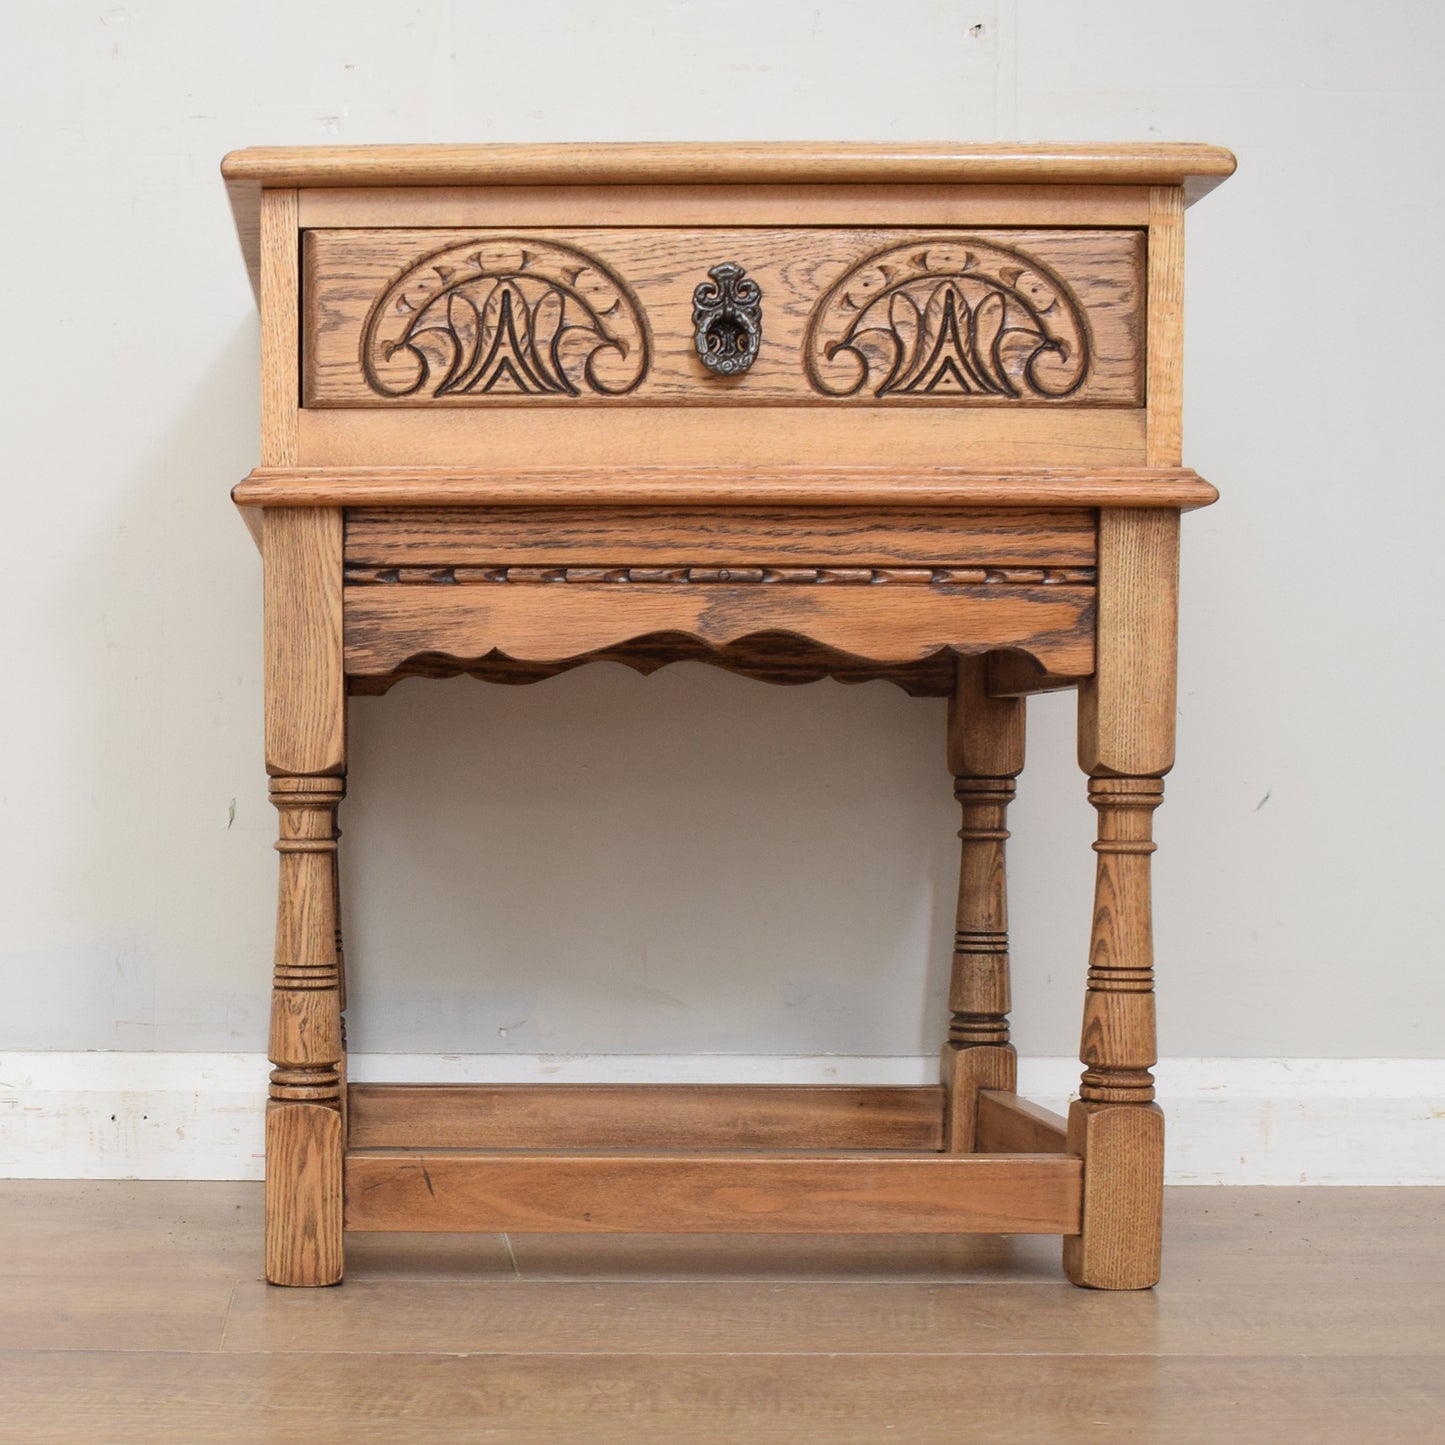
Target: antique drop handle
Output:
[(727, 316)]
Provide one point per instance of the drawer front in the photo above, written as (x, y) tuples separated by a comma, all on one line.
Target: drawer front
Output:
[(422, 544), (518, 593), (849, 317)]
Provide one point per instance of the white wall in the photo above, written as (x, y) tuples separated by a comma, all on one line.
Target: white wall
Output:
[(605, 863)]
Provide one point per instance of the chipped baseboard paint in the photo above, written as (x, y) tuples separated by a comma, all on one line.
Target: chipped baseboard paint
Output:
[(1230, 1121)]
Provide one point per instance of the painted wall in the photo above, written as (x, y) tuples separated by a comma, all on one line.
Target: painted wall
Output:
[(605, 863)]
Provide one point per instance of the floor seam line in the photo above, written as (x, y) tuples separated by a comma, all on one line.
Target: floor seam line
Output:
[(226, 1317)]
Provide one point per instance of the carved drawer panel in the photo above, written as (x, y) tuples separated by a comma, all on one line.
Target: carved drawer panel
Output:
[(826, 316)]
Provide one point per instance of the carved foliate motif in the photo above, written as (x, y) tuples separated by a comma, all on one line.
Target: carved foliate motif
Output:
[(955, 317), (506, 316)]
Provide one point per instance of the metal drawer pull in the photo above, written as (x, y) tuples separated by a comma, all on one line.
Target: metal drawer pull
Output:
[(727, 313)]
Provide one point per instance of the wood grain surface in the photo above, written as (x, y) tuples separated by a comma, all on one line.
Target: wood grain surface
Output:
[(985, 752), (821, 204), (910, 438), (305, 696), (654, 1116), (738, 536), (774, 657), (1127, 710), (278, 288), (641, 284), (303, 1194), (385, 626), (1008, 1124), (730, 162), (699, 1192), (634, 484), (1166, 326)]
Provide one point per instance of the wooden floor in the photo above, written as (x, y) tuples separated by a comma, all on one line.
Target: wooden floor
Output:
[(136, 1312)]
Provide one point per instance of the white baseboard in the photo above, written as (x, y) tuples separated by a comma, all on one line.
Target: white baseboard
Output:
[(1230, 1121)]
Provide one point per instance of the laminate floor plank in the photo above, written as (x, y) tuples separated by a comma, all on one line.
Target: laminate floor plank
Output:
[(541, 1317), (122, 1229), (328, 1399), (1019, 1259), (167, 1311), (1219, 1235), (135, 1312), (1383, 1236)]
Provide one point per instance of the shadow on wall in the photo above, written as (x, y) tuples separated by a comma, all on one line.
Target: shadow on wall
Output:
[(166, 867), (606, 863)]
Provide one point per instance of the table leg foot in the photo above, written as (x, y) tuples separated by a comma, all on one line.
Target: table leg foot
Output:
[(303, 1194), (1118, 1246)]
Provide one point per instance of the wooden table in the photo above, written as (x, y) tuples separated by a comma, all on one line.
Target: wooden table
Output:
[(898, 412)]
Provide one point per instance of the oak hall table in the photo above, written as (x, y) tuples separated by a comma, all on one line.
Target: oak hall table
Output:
[(897, 412)]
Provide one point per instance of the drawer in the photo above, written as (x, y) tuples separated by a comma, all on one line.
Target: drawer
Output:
[(518, 593), (848, 317)]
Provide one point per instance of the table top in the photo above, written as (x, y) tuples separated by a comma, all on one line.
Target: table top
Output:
[(730, 163), (1198, 168)]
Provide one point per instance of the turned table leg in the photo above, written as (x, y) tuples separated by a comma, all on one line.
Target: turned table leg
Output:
[(1126, 744), (985, 753), (306, 757), (304, 1135)]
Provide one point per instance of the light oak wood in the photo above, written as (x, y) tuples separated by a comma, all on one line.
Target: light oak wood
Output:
[(305, 1037), (774, 437), (641, 281), (736, 536), (1127, 708), (725, 205), (630, 485), (305, 692), (1166, 326), (731, 162), (1115, 1126), (1119, 1244), (303, 1194), (985, 740), (1126, 743), (660, 1116), (1118, 1047), (1198, 168), (304, 1125), (774, 657), (278, 288), (1008, 1124), (556, 620), (959, 471), (698, 1192), (1012, 674), (985, 754), (968, 1069)]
